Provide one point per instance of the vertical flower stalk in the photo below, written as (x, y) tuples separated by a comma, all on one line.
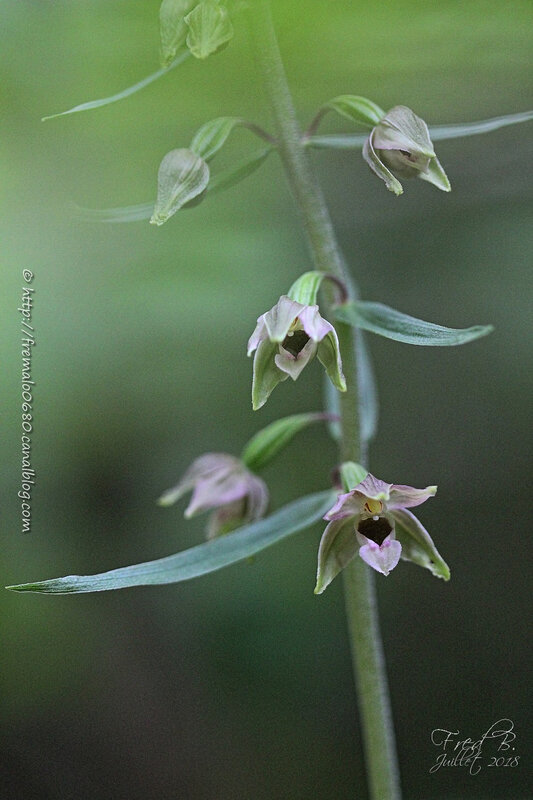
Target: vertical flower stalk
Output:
[(361, 608)]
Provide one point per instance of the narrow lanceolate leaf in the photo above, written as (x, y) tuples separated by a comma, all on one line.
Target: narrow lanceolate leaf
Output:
[(143, 211), (368, 393), (213, 135), (210, 28), (199, 560), (270, 440), (233, 175), (417, 544), (356, 109), (392, 324), (437, 133), (182, 176), (172, 27), (114, 98)]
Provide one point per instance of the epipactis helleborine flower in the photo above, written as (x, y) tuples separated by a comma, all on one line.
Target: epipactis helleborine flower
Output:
[(285, 339), (400, 144), (364, 519), (222, 482)]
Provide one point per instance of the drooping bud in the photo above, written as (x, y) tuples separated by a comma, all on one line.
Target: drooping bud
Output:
[(210, 28), (400, 145), (183, 176), (172, 27)]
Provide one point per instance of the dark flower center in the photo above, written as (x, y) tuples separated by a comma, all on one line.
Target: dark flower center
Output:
[(375, 529), (295, 342)]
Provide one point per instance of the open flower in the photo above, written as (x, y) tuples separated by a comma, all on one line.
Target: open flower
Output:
[(366, 518), (400, 144), (222, 482), (285, 339)]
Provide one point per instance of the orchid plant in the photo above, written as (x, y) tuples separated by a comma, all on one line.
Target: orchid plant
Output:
[(370, 526)]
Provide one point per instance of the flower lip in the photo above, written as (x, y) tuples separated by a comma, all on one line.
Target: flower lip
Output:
[(375, 528), (294, 342)]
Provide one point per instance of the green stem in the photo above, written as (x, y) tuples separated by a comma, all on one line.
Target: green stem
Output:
[(361, 607)]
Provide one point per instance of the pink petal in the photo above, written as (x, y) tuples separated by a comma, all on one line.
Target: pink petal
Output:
[(279, 319), (217, 489), (260, 333), (408, 496), (374, 488), (347, 505), (315, 326)]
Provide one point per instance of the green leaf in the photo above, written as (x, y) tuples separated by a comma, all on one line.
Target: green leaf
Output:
[(270, 440), (199, 560), (213, 135), (305, 289), (385, 321), (332, 405), (143, 211), (352, 474), (182, 176), (437, 132), (210, 28), (356, 109), (368, 393), (233, 175), (417, 544), (172, 27), (114, 98)]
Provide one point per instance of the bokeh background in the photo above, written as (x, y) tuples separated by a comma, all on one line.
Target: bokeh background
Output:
[(238, 686)]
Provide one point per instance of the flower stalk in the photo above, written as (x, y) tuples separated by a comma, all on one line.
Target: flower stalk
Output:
[(361, 607)]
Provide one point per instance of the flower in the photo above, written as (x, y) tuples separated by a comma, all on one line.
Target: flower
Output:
[(285, 339), (400, 144), (222, 482), (366, 518)]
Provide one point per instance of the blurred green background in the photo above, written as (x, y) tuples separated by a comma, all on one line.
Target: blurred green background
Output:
[(238, 686)]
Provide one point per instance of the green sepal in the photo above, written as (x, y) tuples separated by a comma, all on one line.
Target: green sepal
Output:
[(352, 474), (392, 324), (305, 289), (417, 544), (210, 28), (182, 177), (172, 27), (200, 560), (338, 546), (266, 374), (270, 440), (213, 135), (356, 109), (436, 175), (328, 354)]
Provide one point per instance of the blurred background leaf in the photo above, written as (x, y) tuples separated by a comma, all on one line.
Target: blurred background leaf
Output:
[(238, 685)]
